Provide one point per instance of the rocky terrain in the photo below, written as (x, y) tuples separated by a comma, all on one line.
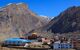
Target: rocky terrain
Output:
[(67, 21), (17, 20)]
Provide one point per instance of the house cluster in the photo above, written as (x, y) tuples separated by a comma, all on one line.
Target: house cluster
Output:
[(56, 42), (62, 43), (67, 41)]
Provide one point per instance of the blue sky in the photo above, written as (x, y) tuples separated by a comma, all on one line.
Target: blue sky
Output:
[(49, 8)]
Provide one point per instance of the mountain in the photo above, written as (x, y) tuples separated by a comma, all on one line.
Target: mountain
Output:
[(67, 21), (17, 19)]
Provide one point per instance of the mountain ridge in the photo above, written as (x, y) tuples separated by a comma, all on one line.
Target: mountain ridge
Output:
[(18, 20), (67, 21)]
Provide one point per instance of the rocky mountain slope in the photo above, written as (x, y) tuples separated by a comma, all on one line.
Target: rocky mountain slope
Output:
[(67, 21), (17, 19)]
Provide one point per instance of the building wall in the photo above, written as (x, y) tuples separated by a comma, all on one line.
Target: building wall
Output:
[(62, 45)]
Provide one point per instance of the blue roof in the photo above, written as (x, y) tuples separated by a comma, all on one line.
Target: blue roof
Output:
[(18, 39)]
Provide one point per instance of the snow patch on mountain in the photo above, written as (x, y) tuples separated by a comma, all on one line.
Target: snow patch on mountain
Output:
[(19, 3), (45, 17), (9, 3)]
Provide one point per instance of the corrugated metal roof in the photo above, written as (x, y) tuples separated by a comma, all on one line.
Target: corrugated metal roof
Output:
[(18, 39)]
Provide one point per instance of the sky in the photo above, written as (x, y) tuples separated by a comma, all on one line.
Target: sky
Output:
[(50, 8)]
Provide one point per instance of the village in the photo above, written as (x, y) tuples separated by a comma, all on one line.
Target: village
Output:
[(34, 41)]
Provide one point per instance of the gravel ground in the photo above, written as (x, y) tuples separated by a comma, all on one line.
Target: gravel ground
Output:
[(5, 48)]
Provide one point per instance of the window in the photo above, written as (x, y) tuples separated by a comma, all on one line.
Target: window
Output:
[(59, 47), (59, 44), (70, 46), (62, 45)]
